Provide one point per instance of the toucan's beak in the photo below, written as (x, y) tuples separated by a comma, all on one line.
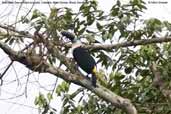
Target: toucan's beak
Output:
[(68, 35)]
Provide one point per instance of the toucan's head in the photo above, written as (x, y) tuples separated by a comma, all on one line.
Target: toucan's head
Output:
[(69, 35)]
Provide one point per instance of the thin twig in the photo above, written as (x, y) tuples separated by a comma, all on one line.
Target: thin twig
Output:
[(17, 78), (1, 75), (27, 80), (25, 15)]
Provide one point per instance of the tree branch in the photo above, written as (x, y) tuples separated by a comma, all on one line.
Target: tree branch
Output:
[(109, 47), (43, 67), (10, 28), (106, 47), (127, 44)]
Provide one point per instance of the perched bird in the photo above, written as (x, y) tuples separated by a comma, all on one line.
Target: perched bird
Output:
[(83, 58)]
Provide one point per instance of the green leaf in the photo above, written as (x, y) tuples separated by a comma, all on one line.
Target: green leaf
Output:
[(65, 86), (90, 19), (100, 14), (80, 32), (49, 96), (82, 22), (58, 91), (36, 101), (167, 25), (11, 41), (40, 101), (24, 19), (36, 14), (99, 26), (128, 70), (118, 3), (144, 72), (93, 4), (153, 24), (114, 11)]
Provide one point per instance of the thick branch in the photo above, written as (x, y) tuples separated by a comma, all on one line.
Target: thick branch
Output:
[(128, 43), (110, 47), (42, 66)]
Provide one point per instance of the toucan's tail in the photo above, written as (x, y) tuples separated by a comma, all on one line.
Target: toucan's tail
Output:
[(94, 77)]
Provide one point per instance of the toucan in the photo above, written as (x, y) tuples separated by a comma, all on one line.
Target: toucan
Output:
[(82, 57)]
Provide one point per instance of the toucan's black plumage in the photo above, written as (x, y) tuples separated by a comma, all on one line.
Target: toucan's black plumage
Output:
[(85, 62), (83, 58)]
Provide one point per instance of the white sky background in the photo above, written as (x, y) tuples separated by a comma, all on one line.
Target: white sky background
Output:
[(37, 82)]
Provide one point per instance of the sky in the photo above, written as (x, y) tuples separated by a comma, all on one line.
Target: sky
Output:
[(15, 96)]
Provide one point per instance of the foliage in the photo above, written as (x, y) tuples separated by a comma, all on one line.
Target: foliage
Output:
[(127, 70), (131, 76)]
